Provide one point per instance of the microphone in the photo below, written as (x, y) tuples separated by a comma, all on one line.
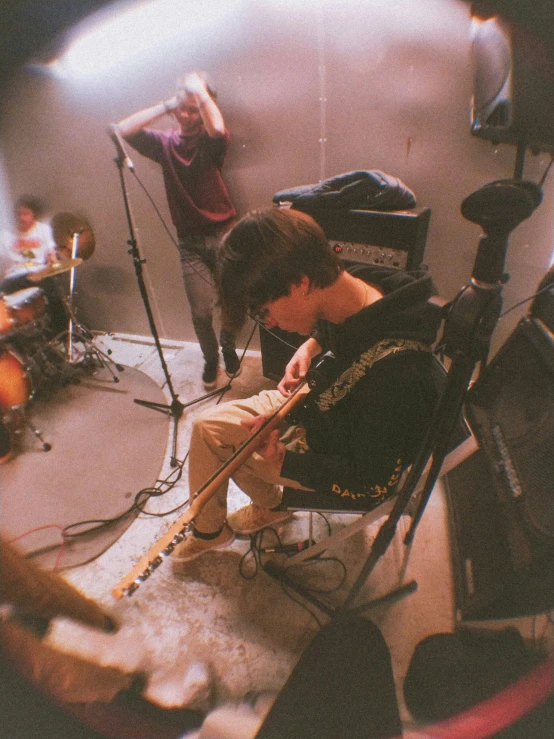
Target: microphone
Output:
[(113, 133)]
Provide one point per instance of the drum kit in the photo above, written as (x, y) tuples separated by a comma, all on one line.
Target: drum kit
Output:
[(31, 359)]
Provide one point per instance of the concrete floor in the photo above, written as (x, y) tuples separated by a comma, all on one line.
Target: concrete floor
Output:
[(215, 630)]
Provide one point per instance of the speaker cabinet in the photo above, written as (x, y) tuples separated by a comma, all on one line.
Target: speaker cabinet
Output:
[(501, 499), (513, 90), (388, 238)]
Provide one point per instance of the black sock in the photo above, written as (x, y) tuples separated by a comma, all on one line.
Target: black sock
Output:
[(207, 536)]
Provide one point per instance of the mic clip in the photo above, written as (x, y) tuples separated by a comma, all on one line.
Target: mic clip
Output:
[(122, 156)]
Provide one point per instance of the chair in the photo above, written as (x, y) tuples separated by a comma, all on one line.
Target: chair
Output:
[(461, 446)]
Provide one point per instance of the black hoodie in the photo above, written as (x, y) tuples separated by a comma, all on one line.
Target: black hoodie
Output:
[(359, 446)]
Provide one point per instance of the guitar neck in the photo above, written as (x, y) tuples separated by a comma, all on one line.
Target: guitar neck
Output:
[(176, 533)]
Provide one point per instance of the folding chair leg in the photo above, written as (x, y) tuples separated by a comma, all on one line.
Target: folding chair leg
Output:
[(362, 522), (281, 575), (365, 519)]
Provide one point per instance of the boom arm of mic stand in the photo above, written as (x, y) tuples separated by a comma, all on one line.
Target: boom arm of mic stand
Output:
[(498, 208), (472, 318), (468, 333)]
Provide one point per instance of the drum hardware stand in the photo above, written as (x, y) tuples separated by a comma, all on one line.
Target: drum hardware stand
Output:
[(77, 333), (20, 414), (74, 246), (470, 320), (176, 408)]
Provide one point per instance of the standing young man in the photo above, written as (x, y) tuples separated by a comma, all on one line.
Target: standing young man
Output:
[(354, 437), (191, 157)]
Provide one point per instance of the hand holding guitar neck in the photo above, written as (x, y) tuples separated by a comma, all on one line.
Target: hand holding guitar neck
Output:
[(176, 533)]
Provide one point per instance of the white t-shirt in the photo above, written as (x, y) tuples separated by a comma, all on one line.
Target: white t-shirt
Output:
[(30, 249)]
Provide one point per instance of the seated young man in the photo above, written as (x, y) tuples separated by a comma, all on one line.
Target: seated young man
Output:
[(353, 438), (30, 250)]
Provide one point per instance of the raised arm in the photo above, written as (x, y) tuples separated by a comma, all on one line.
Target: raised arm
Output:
[(137, 121), (196, 87), (192, 91)]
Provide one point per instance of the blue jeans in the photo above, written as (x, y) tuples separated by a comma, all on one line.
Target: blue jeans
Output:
[(197, 253)]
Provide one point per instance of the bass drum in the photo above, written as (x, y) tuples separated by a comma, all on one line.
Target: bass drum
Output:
[(16, 385)]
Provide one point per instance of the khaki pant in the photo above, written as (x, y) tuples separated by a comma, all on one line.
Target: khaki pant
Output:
[(216, 435)]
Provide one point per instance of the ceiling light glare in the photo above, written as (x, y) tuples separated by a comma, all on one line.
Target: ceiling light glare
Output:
[(123, 36)]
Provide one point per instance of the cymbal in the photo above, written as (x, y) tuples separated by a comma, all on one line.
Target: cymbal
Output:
[(64, 228), (53, 269)]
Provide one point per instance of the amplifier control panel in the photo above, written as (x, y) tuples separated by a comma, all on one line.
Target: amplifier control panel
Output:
[(370, 254)]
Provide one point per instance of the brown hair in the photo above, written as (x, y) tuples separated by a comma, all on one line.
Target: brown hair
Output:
[(266, 253), (31, 202)]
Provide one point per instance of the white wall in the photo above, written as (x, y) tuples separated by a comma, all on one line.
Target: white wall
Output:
[(308, 90)]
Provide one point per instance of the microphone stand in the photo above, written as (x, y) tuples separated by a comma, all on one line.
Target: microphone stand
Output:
[(470, 321), (176, 408)]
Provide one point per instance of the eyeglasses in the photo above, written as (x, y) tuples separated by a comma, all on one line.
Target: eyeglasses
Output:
[(260, 316)]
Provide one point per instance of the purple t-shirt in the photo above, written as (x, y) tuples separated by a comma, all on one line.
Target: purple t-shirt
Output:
[(196, 194)]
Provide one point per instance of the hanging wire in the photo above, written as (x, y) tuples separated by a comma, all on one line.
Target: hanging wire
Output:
[(167, 230), (141, 499), (547, 170), (527, 299)]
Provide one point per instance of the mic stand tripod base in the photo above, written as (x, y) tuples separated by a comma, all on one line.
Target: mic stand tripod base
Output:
[(280, 574), (175, 411)]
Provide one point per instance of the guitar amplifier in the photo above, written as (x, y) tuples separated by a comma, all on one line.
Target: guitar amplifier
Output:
[(388, 238)]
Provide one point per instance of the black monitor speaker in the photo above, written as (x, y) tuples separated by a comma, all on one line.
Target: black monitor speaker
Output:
[(501, 499), (513, 90)]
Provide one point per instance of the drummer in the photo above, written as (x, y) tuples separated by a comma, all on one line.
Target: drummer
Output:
[(33, 245), (31, 249)]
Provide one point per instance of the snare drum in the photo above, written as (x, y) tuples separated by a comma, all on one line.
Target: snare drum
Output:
[(21, 308), (16, 386)]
